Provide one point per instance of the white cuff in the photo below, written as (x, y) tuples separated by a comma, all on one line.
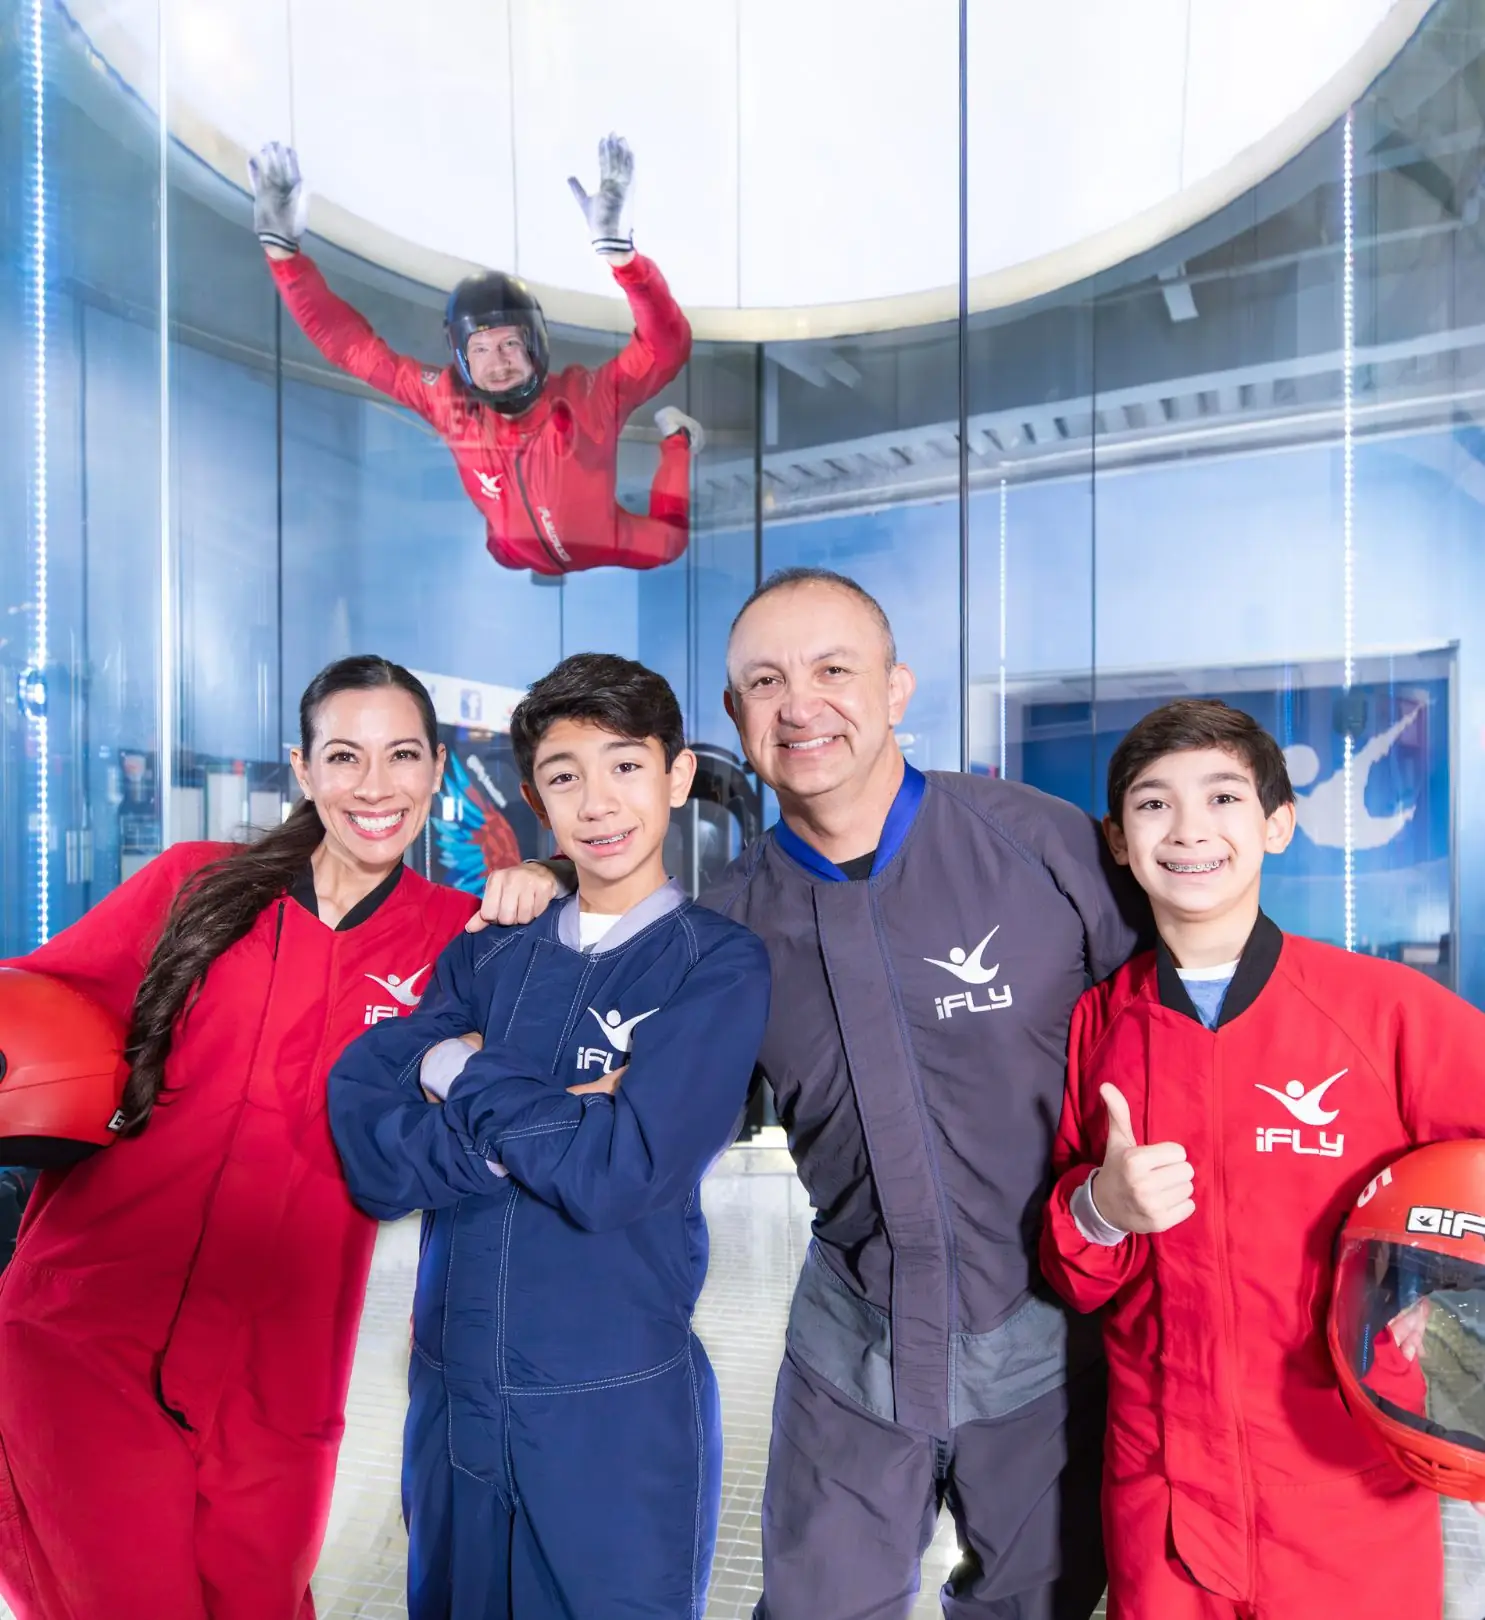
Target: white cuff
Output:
[(442, 1065), (1089, 1222)]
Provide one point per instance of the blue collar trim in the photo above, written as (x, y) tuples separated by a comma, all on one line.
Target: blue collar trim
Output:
[(894, 831)]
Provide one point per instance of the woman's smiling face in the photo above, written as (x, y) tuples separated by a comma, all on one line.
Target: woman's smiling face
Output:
[(372, 774)]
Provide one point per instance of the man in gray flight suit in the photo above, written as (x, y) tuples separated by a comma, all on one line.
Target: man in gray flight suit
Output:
[(929, 936)]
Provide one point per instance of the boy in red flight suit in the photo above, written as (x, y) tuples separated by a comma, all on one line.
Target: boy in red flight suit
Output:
[(1229, 1095), (536, 454)]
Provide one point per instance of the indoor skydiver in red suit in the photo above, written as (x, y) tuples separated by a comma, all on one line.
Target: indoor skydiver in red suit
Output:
[(536, 454), (178, 1324)]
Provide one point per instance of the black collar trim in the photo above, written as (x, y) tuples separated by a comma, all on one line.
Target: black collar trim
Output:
[(1255, 968), (302, 892)]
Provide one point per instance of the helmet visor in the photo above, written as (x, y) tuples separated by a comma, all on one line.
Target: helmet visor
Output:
[(464, 326), (1410, 1323)]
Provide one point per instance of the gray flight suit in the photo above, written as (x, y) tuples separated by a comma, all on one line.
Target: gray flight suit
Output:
[(916, 1050)]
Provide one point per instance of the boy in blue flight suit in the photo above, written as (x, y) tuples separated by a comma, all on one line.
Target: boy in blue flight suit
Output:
[(562, 1453)]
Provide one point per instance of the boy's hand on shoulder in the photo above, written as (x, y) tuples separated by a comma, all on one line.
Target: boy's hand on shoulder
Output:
[(515, 894), (608, 1083), (1140, 1189)]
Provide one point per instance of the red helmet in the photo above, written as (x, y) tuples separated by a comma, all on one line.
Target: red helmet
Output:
[(1407, 1317), (62, 1072)]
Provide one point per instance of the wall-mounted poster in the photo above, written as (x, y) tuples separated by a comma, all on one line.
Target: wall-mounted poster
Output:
[(1395, 813), (481, 822)]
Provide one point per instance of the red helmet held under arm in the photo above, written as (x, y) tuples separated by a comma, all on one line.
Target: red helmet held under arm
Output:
[(1407, 1315), (62, 1072)]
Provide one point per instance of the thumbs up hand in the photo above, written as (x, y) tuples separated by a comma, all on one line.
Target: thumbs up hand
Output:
[(1140, 1189)]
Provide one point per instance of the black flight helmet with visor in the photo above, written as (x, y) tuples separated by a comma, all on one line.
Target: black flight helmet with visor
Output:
[(493, 299)]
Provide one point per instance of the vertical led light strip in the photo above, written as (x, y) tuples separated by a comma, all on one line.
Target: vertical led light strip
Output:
[(165, 774), (1002, 629), (36, 707), (1348, 468)]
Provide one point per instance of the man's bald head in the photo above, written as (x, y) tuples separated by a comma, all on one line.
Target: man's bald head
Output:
[(815, 689), (789, 579)]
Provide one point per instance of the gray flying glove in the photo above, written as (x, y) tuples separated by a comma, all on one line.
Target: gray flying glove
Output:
[(280, 197), (604, 210)]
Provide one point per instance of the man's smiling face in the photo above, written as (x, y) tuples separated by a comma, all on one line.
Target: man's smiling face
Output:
[(813, 689)]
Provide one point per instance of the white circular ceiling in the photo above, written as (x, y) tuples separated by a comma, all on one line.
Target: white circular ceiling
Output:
[(797, 160)]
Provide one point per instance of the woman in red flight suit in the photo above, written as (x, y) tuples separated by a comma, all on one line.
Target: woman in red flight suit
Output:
[(538, 457), (178, 1323)]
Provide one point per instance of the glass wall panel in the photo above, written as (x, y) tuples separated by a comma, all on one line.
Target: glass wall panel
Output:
[(860, 468), (1412, 555), (1283, 509), (1218, 505), (1032, 434), (79, 471), (859, 444), (230, 770), (1242, 463)]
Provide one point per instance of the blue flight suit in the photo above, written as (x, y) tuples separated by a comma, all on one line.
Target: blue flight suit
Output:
[(562, 1455)]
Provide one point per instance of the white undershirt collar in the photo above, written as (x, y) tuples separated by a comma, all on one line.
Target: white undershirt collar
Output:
[(1223, 970)]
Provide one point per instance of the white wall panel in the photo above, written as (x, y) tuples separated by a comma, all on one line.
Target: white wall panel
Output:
[(1255, 63), (664, 76), (229, 62), (791, 154), (849, 181), (1074, 121), (402, 116)]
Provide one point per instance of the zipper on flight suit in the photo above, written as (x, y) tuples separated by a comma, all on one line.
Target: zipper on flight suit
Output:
[(175, 1414), (926, 1125), (536, 528), (1229, 1317)]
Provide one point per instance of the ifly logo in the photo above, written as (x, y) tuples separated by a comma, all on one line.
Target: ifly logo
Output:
[(404, 992), (618, 1031), (964, 1001), (1273, 1137), (490, 484), (969, 966), (1430, 1221), (1308, 1107)]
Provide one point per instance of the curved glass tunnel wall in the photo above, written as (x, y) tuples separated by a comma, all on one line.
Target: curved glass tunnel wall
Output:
[(1249, 464)]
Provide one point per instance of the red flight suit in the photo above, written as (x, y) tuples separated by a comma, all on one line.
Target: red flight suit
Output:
[(1235, 1481), (178, 1323), (544, 481)]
